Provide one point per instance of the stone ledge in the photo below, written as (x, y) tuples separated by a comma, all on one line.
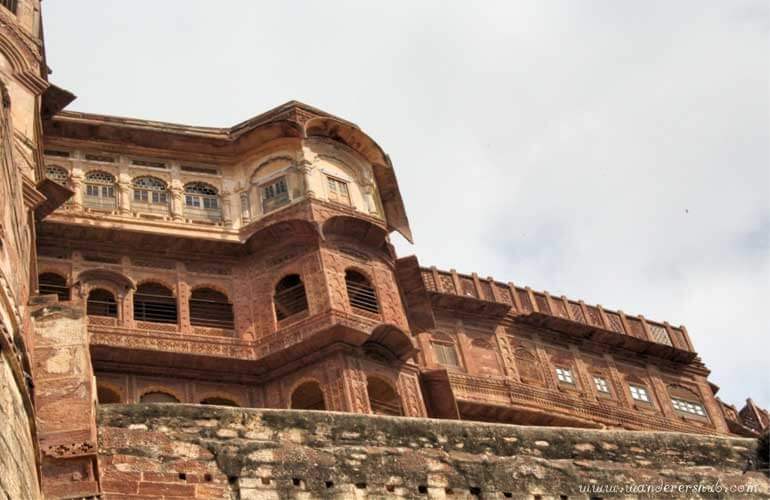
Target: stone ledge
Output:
[(284, 453)]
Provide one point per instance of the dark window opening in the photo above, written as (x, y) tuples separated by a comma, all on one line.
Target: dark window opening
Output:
[(290, 298), (219, 402), (102, 303), (361, 294), (210, 308), (154, 303), (158, 397), (53, 284), (383, 399), (9, 4), (105, 395), (308, 396)]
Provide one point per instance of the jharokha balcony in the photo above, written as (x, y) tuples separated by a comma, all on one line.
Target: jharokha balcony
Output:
[(472, 294)]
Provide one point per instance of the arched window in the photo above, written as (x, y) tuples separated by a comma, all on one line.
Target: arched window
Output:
[(308, 396), (383, 399), (209, 307), (150, 193), (361, 294), (154, 302), (202, 201), (216, 401), (53, 284), (57, 174), (101, 303), (100, 190), (157, 397), (105, 395), (290, 298)]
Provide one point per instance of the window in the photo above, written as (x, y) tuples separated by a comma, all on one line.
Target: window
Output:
[(9, 4), (219, 401), (53, 284), (601, 385), (308, 396), (275, 194), (57, 174), (289, 298), (201, 195), (338, 191), (383, 399), (446, 354), (101, 303), (361, 294), (688, 407), (100, 190), (564, 375), (105, 395), (150, 191), (155, 303), (639, 393), (210, 308)]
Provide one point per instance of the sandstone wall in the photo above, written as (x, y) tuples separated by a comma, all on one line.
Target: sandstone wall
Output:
[(172, 451), (18, 474)]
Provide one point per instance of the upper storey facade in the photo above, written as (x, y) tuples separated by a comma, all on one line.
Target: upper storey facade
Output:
[(217, 183)]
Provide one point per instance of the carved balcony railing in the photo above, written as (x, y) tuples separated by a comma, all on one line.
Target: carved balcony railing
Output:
[(542, 308)]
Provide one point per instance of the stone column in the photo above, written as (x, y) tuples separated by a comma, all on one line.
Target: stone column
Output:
[(182, 299), (367, 192), (624, 398), (255, 208), (76, 183), (660, 391), (509, 361), (124, 197), (227, 209), (305, 168), (177, 198), (586, 380)]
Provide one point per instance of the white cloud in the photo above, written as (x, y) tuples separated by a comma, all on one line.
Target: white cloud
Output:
[(611, 151)]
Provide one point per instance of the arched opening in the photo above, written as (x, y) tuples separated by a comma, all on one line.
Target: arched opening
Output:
[(57, 174), (290, 297), (208, 307), (99, 190), (106, 396), (383, 398), (361, 294), (202, 202), (154, 302), (150, 194), (308, 396), (53, 284), (217, 401), (157, 397), (101, 303)]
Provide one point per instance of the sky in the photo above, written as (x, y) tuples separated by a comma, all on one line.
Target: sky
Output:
[(612, 151)]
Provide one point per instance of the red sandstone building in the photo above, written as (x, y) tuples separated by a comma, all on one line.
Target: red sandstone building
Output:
[(251, 266)]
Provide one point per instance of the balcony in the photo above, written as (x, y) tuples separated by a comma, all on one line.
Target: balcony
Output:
[(153, 209), (206, 215), (450, 289), (274, 203), (100, 203)]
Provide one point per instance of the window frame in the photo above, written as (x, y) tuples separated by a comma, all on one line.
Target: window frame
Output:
[(565, 376), (274, 193), (688, 408), (333, 193), (641, 391), (440, 348), (601, 385)]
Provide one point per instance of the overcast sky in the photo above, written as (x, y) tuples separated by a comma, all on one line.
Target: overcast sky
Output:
[(612, 151)]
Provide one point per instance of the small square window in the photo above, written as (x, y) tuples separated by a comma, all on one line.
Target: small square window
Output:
[(601, 385), (446, 354), (565, 375), (639, 393), (338, 191)]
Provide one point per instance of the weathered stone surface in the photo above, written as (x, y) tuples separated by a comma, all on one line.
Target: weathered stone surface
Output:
[(304, 454)]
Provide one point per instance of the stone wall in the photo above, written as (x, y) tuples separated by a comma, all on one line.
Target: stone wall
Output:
[(172, 451), (18, 470)]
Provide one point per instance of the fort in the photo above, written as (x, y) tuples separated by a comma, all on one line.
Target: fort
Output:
[(192, 312)]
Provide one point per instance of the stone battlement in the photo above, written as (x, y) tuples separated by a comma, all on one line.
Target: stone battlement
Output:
[(217, 452)]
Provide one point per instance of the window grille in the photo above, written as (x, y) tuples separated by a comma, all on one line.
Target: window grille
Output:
[(290, 297), (100, 190), (688, 407), (446, 354), (202, 201), (210, 308), (565, 375), (361, 294), (639, 393), (57, 174), (154, 303), (53, 284), (275, 195), (601, 385), (9, 4), (150, 193), (54, 152), (101, 303), (101, 158), (338, 191)]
